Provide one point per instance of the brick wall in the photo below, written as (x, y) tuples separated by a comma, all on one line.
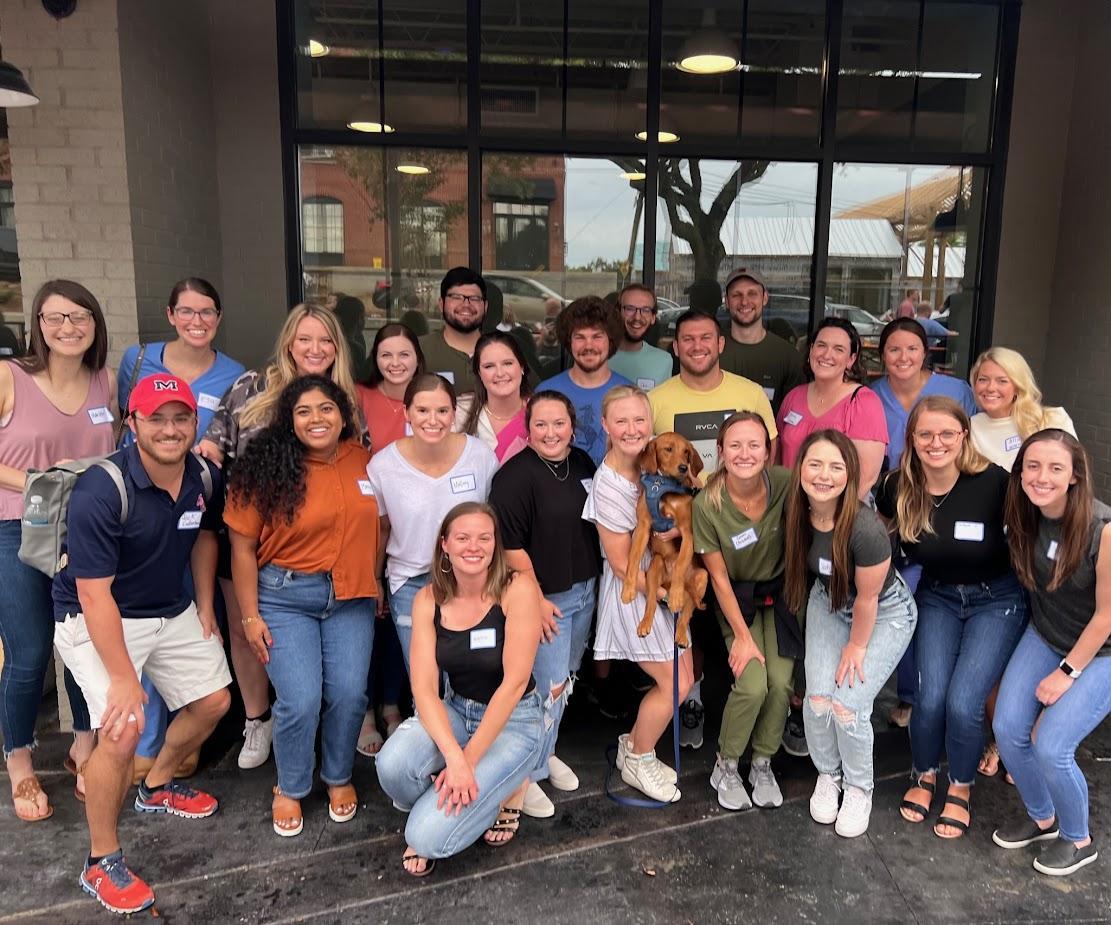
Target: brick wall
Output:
[(69, 168)]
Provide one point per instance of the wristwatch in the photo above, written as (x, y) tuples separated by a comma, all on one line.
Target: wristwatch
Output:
[(1073, 673)]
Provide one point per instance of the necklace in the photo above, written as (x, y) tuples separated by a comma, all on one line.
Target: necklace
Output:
[(554, 468), (498, 417), (938, 504)]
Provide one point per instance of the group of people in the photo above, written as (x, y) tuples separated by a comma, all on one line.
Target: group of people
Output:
[(447, 515)]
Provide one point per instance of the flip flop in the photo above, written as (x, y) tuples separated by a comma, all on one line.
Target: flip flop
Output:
[(429, 864), (370, 740), (28, 790)]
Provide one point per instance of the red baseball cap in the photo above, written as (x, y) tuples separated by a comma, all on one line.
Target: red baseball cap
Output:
[(155, 391)]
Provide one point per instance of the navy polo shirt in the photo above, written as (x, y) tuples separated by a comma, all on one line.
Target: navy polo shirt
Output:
[(149, 554)]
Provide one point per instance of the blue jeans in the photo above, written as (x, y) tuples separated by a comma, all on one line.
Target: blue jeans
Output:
[(410, 760), (838, 718), (321, 652), (386, 661), (401, 610), (558, 661), (906, 676), (27, 634), (966, 634), (1045, 771)]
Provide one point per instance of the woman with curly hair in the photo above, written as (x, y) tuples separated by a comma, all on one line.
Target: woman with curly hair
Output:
[(304, 528), (495, 413), (310, 343)]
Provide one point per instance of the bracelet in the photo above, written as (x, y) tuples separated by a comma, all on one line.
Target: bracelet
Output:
[(246, 621)]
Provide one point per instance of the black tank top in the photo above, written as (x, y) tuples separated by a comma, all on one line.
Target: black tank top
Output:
[(472, 658)]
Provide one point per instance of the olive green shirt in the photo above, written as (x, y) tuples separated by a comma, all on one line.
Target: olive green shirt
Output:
[(452, 364), (773, 364), (753, 550)]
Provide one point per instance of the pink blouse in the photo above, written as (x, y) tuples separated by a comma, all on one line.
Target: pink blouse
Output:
[(859, 416)]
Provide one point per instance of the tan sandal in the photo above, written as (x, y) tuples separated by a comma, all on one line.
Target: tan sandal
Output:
[(343, 803), (288, 820), (28, 790), (77, 770)]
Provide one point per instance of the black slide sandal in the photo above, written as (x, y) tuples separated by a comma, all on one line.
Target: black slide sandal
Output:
[(949, 820), (930, 786)]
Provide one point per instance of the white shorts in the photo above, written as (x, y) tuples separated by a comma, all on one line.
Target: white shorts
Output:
[(173, 652)]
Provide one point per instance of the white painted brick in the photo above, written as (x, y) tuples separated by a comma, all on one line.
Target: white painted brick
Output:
[(78, 269), (39, 174), (30, 136), (34, 212), (117, 232), (65, 156), (32, 269), (101, 212), (93, 58), (104, 250), (114, 193), (119, 269), (86, 118), (110, 157), (82, 98), (68, 231), (98, 176), (71, 193), (55, 249), (96, 138)]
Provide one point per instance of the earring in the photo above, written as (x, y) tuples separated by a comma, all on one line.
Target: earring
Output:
[(444, 560)]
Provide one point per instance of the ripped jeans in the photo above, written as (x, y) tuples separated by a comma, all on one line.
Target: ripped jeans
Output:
[(838, 719), (558, 661)]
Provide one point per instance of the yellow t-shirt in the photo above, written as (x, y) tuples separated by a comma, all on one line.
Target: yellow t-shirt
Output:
[(698, 415)]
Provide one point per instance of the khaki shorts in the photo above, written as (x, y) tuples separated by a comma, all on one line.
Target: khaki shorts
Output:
[(172, 651)]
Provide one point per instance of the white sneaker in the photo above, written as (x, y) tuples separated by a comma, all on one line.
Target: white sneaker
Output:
[(561, 776), (824, 799), (856, 810), (624, 750), (728, 784), (257, 737), (765, 788), (645, 773), (537, 803)]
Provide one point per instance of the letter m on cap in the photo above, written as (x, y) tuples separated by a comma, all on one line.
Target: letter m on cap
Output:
[(165, 385)]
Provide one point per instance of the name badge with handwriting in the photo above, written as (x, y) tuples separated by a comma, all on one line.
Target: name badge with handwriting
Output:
[(484, 639), (645, 384), (100, 415), (1051, 553), (769, 390), (365, 487), (971, 530), (792, 418), (745, 539), (825, 566), (190, 520), (210, 402), (1012, 443), (461, 484)]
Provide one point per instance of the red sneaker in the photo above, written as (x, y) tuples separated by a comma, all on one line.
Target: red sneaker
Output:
[(115, 887), (180, 799)]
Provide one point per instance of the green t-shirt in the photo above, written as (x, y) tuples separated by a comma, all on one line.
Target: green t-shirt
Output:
[(452, 364), (773, 364), (646, 368), (753, 550)]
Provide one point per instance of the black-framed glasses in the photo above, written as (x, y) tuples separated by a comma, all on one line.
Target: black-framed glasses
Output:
[(185, 313), (465, 299), (633, 310), (79, 318)]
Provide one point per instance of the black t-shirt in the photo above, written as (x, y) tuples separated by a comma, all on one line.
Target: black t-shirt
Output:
[(868, 545), (540, 507), (968, 544)]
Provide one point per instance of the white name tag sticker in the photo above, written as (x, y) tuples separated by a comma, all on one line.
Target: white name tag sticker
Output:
[(210, 402), (825, 566), (484, 639), (1051, 552), (1012, 443), (447, 374), (971, 530), (769, 391), (588, 484), (100, 415), (645, 384), (460, 484), (792, 418), (190, 520), (365, 487), (745, 539)]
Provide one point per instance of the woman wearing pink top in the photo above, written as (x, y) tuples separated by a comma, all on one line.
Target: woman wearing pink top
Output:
[(496, 412), (834, 398), (55, 405)]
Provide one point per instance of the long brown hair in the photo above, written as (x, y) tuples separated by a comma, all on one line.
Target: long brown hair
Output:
[(444, 585), (478, 402), (800, 532), (39, 353), (715, 484), (914, 508), (1021, 515)]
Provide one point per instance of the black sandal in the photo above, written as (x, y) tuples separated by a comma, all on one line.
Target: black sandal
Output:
[(930, 786), (429, 864), (949, 820), (509, 820)]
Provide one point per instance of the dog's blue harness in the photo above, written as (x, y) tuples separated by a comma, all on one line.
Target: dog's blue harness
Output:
[(655, 487)]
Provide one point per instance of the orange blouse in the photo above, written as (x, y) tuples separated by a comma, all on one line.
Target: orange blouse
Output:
[(334, 530)]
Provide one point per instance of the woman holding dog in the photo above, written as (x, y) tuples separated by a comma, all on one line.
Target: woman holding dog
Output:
[(860, 617), (612, 506), (738, 530)]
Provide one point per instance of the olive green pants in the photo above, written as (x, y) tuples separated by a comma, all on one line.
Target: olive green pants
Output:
[(760, 697)]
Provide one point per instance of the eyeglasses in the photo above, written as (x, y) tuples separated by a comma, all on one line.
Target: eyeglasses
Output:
[(633, 310), (464, 299), (185, 313), (79, 318), (947, 437), (159, 421)]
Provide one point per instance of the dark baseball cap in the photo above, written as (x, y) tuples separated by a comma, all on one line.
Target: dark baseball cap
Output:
[(745, 273)]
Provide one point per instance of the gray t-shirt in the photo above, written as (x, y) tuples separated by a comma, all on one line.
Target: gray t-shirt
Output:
[(868, 545), (1061, 616)]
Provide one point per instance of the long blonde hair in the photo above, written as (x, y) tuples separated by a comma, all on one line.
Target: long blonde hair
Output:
[(283, 370), (715, 484), (914, 507), (1027, 411)]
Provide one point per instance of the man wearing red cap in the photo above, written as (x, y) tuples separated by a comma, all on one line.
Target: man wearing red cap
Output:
[(120, 610)]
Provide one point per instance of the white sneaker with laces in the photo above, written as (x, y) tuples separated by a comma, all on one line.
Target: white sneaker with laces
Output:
[(257, 736), (537, 804), (624, 750), (855, 812), (765, 788), (561, 776), (645, 773), (825, 799)]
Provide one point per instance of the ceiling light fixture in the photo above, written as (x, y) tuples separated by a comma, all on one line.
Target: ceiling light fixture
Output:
[(709, 50), (664, 138), (634, 175), (370, 128), (14, 89), (317, 49), (413, 170)]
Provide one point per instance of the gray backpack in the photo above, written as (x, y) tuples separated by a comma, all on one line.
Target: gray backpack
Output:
[(46, 506)]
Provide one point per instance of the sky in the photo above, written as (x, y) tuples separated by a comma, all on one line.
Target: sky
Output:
[(600, 204)]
